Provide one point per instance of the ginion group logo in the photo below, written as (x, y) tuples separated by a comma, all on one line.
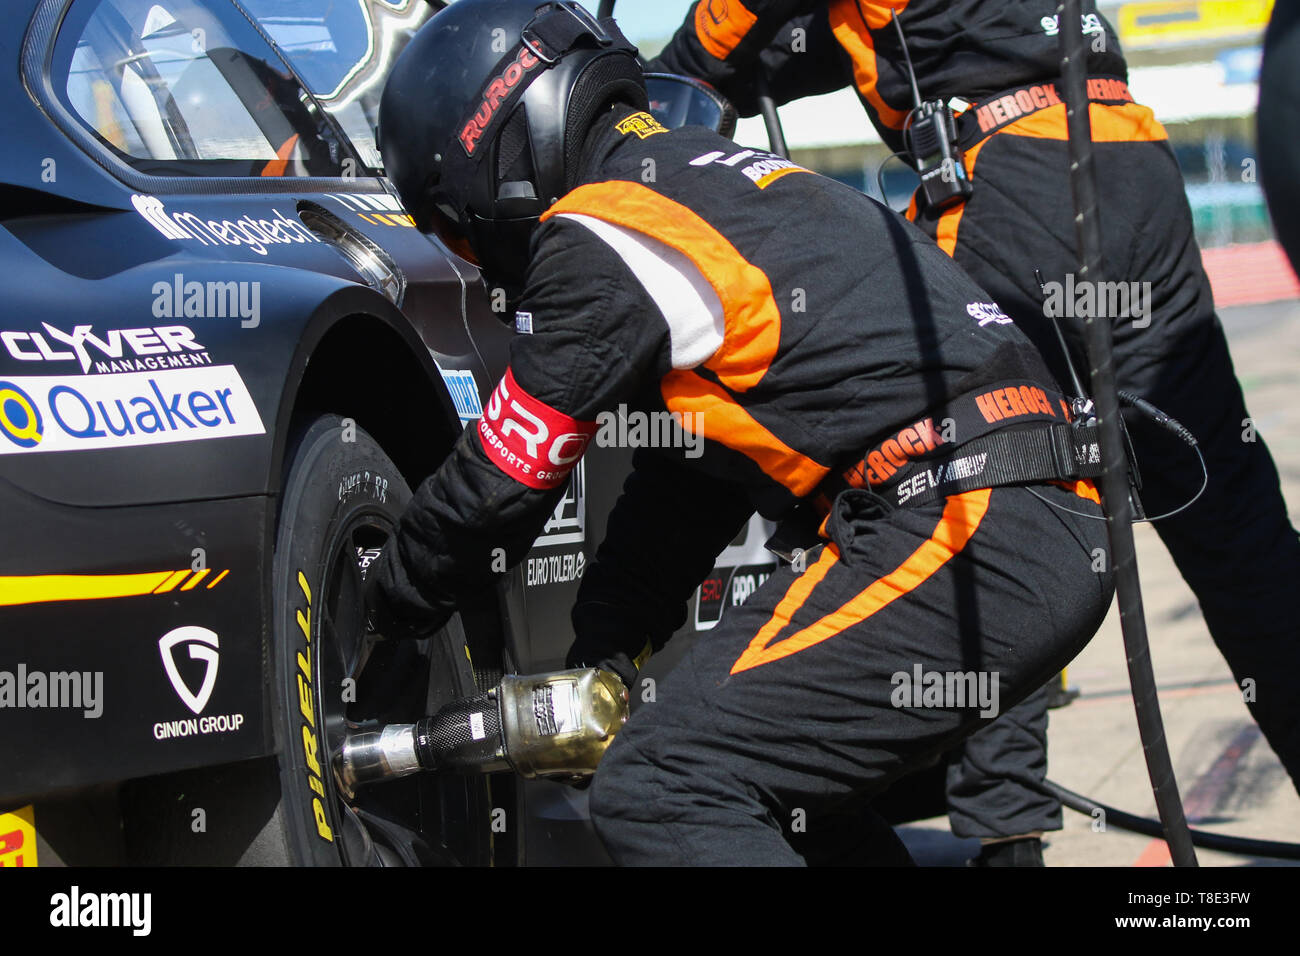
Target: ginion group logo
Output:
[(204, 645)]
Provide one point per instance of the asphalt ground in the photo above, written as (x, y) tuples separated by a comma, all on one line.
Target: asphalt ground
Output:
[(1229, 778)]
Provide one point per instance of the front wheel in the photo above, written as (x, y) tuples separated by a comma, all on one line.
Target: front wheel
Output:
[(342, 501)]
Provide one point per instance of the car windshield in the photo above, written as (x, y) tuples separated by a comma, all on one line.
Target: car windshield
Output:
[(343, 51), (189, 87)]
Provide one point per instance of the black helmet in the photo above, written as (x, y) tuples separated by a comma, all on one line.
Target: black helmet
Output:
[(484, 116)]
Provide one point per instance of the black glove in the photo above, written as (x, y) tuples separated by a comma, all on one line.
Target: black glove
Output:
[(380, 620), (618, 664)]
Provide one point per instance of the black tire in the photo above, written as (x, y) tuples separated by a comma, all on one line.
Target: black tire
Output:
[(341, 502)]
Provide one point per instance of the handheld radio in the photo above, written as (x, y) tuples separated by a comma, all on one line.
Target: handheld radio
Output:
[(931, 135)]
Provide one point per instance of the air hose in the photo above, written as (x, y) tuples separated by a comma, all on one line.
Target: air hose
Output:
[(1222, 842), (1114, 479)]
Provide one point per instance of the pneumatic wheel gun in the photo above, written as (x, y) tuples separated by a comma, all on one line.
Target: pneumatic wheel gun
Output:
[(555, 726)]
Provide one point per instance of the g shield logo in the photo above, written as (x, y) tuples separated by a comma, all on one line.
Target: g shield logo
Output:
[(203, 646), (20, 419)]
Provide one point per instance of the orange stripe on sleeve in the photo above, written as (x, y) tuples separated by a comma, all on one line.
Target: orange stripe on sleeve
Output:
[(753, 319), (961, 517), (854, 34), (723, 420), (720, 25)]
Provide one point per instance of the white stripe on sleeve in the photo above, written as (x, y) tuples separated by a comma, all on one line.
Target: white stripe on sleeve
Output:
[(688, 302)]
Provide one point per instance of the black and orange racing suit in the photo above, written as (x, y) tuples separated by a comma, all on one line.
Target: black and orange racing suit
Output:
[(798, 327), (1235, 547)]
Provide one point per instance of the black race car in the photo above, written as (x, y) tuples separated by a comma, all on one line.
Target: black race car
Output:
[(226, 356)]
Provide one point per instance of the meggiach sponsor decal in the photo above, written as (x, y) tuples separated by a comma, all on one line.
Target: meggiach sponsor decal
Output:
[(257, 234)]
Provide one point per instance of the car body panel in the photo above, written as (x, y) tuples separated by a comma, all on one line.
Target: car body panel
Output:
[(116, 539)]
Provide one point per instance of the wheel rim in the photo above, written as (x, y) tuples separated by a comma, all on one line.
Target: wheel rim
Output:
[(361, 683)]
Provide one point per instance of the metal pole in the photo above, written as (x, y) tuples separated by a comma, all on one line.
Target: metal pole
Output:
[(1114, 479)]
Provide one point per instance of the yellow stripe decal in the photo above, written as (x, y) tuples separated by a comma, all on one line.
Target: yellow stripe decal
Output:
[(46, 588), (170, 584), (190, 584)]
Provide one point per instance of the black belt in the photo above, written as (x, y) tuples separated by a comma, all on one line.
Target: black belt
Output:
[(999, 110), (1009, 433), (1013, 456)]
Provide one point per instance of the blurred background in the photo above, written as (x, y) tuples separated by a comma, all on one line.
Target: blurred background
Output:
[(1194, 62)]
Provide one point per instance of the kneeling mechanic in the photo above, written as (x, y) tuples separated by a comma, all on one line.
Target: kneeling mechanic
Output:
[(838, 367)]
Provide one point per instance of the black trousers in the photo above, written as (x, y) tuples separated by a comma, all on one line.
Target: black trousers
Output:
[(910, 629), (992, 776), (1235, 547)]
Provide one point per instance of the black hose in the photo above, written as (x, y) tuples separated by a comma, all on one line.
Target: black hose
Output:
[(1114, 478), (771, 118), (1245, 846)]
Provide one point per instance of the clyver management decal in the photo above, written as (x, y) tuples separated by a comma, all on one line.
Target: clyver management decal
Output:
[(203, 646), (55, 413), (118, 350)]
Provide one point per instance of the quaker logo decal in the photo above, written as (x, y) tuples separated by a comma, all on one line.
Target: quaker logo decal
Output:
[(20, 419), (494, 95), (119, 350), (51, 413), (203, 645), (528, 440)]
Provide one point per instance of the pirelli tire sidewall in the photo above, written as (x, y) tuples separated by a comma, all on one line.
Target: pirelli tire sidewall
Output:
[(321, 496)]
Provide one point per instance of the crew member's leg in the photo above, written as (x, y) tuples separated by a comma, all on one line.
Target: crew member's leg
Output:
[(828, 684), (1235, 547), (992, 775), (993, 779)]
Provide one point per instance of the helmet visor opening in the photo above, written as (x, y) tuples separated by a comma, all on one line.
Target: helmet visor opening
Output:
[(448, 230)]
